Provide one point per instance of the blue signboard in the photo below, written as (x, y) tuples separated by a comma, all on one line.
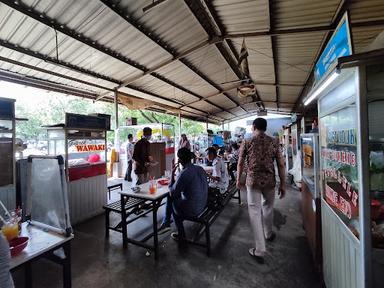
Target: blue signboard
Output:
[(338, 46)]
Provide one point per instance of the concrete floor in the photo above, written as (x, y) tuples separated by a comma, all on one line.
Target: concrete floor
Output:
[(98, 262)]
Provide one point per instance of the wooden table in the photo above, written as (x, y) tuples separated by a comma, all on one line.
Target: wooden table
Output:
[(42, 244), (155, 199)]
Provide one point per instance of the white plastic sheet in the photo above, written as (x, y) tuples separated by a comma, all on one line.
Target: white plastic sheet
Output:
[(47, 198)]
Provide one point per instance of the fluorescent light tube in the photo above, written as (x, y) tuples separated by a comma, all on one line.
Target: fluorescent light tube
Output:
[(321, 88)]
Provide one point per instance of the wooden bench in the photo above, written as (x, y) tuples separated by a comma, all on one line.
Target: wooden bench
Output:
[(131, 206), (209, 215), (114, 187)]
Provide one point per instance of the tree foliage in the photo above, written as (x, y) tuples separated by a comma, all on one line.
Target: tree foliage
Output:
[(51, 110)]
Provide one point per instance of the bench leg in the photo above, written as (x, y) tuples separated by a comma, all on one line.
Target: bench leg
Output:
[(208, 239), (123, 222), (107, 223)]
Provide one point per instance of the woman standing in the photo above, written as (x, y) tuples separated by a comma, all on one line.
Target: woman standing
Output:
[(184, 142)]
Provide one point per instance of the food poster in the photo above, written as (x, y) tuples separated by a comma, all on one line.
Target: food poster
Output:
[(338, 157), (307, 144)]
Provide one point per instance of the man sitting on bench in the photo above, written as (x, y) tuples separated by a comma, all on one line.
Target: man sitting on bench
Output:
[(219, 178), (188, 193)]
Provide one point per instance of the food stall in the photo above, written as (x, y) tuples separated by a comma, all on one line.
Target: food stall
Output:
[(310, 194), (7, 152), (351, 105), (162, 146), (82, 143)]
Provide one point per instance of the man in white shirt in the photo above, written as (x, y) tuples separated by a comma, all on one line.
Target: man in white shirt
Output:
[(129, 153), (219, 178)]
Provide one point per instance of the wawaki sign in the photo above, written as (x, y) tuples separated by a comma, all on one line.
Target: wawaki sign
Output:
[(90, 148)]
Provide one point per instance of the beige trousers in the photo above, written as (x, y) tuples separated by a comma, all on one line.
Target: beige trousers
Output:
[(260, 215)]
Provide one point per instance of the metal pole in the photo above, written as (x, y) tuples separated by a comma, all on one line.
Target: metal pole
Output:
[(207, 124), (116, 102), (363, 171), (180, 125), (116, 109)]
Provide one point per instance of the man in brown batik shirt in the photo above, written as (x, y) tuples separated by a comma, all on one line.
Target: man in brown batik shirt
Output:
[(259, 153)]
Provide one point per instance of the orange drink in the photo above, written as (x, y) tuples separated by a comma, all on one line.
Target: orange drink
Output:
[(10, 231), (152, 187)]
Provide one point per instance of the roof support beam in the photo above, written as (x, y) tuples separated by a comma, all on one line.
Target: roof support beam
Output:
[(214, 29), (44, 84), (324, 28), (69, 66), (274, 51), (22, 8), (167, 47)]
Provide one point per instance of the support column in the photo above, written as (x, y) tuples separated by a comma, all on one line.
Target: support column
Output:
[(116, 106), (179, 125), (116, 102)]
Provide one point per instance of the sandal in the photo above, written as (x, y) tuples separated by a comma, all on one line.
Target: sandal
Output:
[(259, 259)]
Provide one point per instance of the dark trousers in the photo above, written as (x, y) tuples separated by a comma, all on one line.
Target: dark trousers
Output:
[(232, 168), (129, 171), (172, 210)]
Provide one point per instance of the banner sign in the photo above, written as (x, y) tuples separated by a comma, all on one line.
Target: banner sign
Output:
[(339, 46), (339, 163)]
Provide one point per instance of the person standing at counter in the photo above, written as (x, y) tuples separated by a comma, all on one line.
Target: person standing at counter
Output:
[(129, 151), (142, 157), (260, 152)]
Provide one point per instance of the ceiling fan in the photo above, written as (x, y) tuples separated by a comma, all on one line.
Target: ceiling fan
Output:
[(247, 87)]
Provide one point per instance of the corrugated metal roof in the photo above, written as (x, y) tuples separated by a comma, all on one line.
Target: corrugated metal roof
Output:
[(176, 26), (171, 20), (360, 11), (362, 37), (223, 101), (260, 58), (209, 61), (243, 16), (296, 54), (303, 13)]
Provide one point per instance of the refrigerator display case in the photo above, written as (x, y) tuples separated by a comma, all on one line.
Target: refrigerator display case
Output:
[(7, 152), (310, 162), (85, 152), (351, 163), (310, 194)]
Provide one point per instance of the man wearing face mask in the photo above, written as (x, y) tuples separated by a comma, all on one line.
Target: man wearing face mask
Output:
[(188, 193), (142, 157)]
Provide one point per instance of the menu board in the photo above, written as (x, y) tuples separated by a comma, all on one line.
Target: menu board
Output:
[(338, 142)]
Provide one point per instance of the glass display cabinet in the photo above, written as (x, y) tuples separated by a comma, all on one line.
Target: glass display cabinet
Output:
[(7, 152), (351, 114), (82, 143), (310, 194)]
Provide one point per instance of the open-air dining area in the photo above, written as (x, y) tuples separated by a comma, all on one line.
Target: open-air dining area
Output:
[(192, 143)]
